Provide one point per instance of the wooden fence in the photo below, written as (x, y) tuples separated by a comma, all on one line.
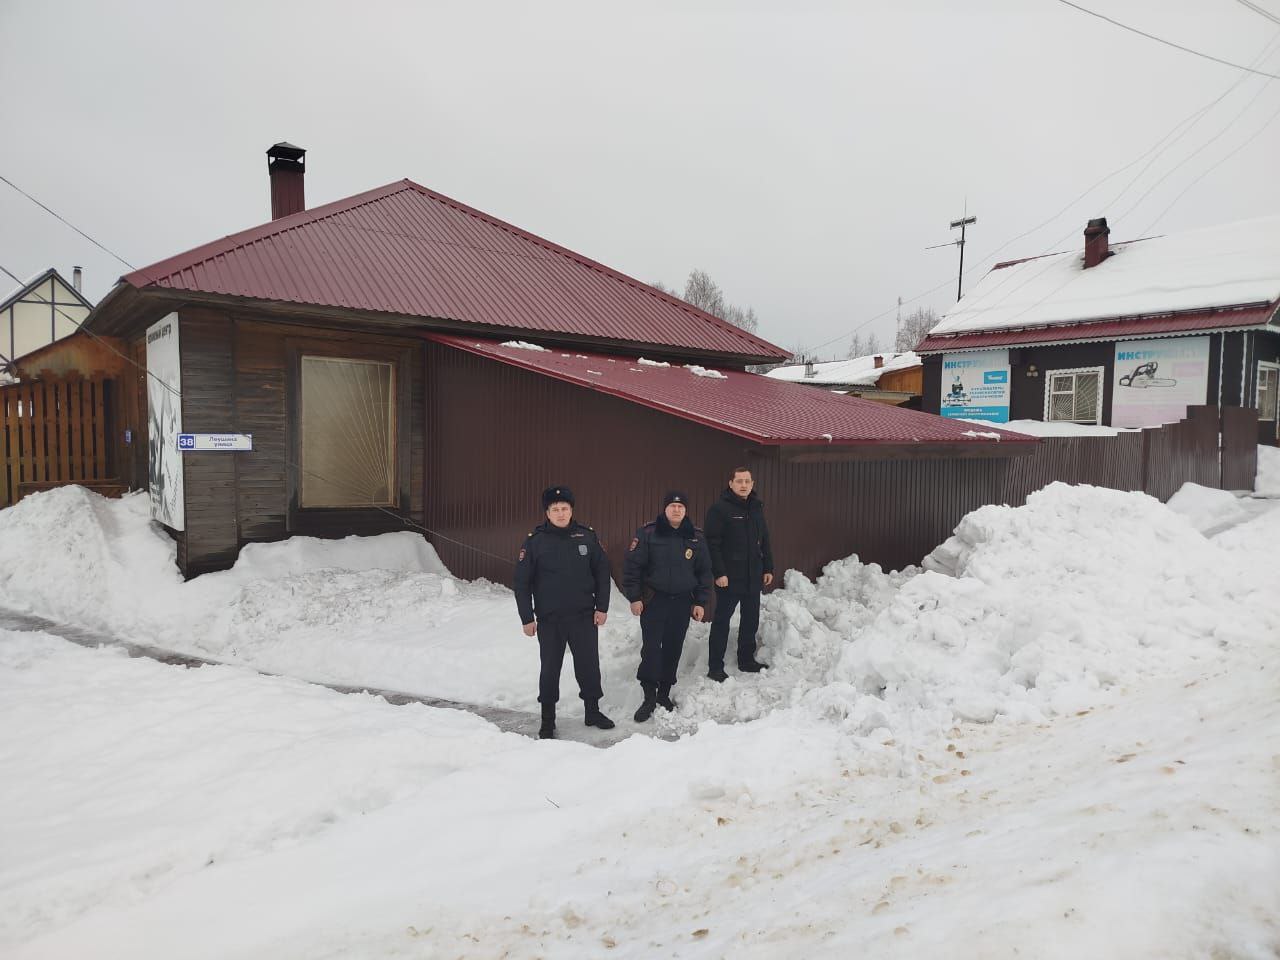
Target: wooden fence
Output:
[(57, 430)]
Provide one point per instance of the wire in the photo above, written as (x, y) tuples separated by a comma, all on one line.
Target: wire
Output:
[(68, 223), (1260, 11), (1257, 133), (1169, 43), (1159, 148), (289, 463)]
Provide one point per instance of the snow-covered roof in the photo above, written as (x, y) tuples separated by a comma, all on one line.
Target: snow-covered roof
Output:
[(861, 371), (1210, 268)]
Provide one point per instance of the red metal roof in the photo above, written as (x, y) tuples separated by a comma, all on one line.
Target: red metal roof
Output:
[(407, 250), (762, 409), (1123, 329)]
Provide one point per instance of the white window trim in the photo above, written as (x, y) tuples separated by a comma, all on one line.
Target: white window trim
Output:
[(1257, 386), (1048, 392)]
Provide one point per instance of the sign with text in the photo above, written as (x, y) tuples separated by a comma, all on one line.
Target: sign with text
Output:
[(975, 385), (1154, 381), (233, 442), (164, 423)]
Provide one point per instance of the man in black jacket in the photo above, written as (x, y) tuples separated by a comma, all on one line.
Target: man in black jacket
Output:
[(667, 578), (742, 561), (562, 593)]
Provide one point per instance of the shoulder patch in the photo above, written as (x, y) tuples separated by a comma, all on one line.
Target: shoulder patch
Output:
[(520, 559), (634, 542)]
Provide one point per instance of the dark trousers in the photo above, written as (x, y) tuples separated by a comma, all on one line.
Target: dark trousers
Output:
[(580, 634), (726, 603), (663, 624)]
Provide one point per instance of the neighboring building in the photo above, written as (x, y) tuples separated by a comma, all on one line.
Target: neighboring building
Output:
[(892, 378), (1127, 335), (403, 361), (40, 311)]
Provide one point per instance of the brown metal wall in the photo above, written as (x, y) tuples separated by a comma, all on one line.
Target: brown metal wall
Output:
[(1239, 447), (498, 435), (1180, 452), (1114, 462)]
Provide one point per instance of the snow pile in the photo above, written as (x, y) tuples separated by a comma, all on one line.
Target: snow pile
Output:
[(1207, 509), (1043, 428), (1267, 478), (1025, 613), (652, 363), (982, 434), (524, 345), (698, 371)]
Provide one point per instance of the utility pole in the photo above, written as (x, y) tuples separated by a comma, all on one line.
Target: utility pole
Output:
[(962, 223)]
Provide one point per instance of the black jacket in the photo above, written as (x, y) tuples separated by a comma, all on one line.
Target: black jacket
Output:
[(561, 572), (667, 560), (738, 539)]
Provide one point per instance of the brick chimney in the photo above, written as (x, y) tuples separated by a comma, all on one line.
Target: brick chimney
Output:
[(879, 361), (1095, 242), (286, 164)]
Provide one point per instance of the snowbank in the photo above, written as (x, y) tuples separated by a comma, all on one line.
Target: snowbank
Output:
[(1024, 614), (1207, 508), (1043, 428), (1267, 478)]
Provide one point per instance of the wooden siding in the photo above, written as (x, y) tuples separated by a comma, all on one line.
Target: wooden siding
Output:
[(910, 380), (237, 378), (78, 353)]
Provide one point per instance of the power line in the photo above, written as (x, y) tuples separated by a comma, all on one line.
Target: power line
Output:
[(1169, 43), (68, 223), (289, 463), (1156, 151), (1260, 11)]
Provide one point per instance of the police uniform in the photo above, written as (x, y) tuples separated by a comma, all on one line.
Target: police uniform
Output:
[(669, 570), (561, 580)]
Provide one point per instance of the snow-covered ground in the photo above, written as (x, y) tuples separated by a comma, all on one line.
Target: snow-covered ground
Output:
[(1059, 738)]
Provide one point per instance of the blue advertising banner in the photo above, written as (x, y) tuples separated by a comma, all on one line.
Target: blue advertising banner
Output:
[(975, 385)]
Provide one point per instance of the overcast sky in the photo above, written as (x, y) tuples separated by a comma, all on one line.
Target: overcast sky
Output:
[(804, 154)]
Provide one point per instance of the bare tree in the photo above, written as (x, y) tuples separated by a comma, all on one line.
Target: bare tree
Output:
[(705, 294), (914, 327), (669, 291), (863, 345)]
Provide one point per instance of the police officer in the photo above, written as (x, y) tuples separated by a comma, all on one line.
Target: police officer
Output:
[(562, 592), (667, 578), (742, 561)]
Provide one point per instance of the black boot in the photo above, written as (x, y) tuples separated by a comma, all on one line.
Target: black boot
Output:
[(751, 666), (650, 702), (595, 718), (717, 674), (664, 696), (548, 729)]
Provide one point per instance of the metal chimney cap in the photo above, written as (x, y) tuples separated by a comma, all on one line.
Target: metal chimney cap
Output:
[(286, 156)]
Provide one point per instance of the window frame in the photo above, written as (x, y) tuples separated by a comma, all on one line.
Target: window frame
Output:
[(1273, 368), (1074, 372), (400, 357)]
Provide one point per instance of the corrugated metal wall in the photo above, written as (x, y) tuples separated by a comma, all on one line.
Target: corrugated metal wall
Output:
[(498, 435), (519, 431)]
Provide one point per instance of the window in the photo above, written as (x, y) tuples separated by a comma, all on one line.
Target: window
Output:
[(1074, 395), (348, 421), (1268, 382)]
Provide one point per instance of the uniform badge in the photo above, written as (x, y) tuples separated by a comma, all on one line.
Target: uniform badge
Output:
[(634, 541), (582, 549), (688, 554), (521, 557)]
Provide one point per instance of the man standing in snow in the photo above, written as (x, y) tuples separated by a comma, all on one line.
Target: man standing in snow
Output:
[(667, 578), (562, 592), (742, 562)]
